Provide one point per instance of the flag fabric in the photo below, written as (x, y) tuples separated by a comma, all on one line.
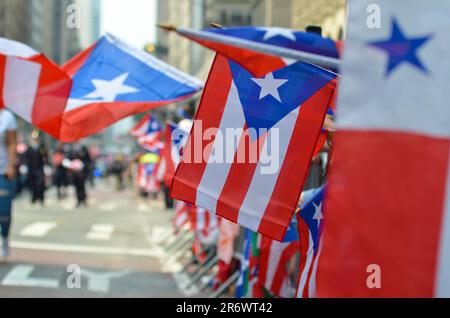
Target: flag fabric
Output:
[(148, 133), (228, 234), (100, 86), (388, 211), (275, 261), (248, 284), (225, 41), (280, 113), (204, 224), (181, 216), (310, 228), (175, 140), (32, 86)]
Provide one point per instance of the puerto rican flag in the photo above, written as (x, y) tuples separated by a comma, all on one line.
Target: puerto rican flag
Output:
[(181, 216), (284, 109), (310, 229), (148, 133), (108, 82), (248, 284), (275, 261), (176, 138), (32, 86), (388, 200), (204, 224), (232, 42)]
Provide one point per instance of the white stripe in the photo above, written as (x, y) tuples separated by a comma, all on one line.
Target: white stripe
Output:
[(200, 218), (312, 291), (144, 252), (100, 232), (20, 86), (38, 229), (13, 48), (263, 185), (304, 274), (215, 174), (443, 270), (161, 170), (276, 249), (154, 63)]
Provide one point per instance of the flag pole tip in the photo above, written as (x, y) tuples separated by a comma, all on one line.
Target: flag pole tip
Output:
[(217, 26), (166, 26)]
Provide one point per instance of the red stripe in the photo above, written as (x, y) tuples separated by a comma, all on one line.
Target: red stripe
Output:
[(288, 188), (74, 65), (2, 78), (189, 175), (266, 245), (386, 199), (91, 119), (53, 91), (306, 291), (239, 179), (256, 63), (136, 131)]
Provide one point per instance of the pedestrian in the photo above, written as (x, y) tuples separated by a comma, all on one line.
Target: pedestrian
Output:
[(8, 144), (80, 167), (60, 172), (37, 159)]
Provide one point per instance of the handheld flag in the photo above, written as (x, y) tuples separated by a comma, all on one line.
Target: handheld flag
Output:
[(244, 44), (275, 258), (310, 229), (148, 133), (255, 177), (108, 82)]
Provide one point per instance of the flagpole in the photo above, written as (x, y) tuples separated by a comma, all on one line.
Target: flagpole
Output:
[(319, 60)]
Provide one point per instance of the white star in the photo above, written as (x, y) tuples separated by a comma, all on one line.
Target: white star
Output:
[(318, 215), (276, 31), (109, 90), (269, 86)]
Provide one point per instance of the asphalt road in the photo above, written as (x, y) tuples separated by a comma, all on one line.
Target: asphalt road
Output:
[(110, 249)]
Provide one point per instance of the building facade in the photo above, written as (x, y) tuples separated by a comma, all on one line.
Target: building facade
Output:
[(15, 20)]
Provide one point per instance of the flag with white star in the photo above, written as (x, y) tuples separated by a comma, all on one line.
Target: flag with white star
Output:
[(225, 41), (254, 178), (98, 87), (112, 80), (310, 227), (388, 194)]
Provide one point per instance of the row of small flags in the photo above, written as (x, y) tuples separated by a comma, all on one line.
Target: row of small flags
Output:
[(392, 126)]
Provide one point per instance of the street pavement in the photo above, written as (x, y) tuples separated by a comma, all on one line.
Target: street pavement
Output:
[(109, 249)]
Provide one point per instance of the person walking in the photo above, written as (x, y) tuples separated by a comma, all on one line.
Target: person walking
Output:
[(8, 144), (60, 172), (80, 167), (37, 158)]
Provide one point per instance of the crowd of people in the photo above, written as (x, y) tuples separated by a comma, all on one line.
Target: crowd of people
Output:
[(38, 168)]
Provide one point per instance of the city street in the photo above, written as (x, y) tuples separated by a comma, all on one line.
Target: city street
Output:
[(113, 242)]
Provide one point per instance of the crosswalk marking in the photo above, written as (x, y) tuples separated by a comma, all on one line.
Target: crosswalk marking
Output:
[(20, 275), (103, 250), (100, 232), (38, 229)]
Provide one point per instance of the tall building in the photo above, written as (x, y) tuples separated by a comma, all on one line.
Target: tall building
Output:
[(60, 39), (329, 14), (89, 30), (15, 20), (179, 52)]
